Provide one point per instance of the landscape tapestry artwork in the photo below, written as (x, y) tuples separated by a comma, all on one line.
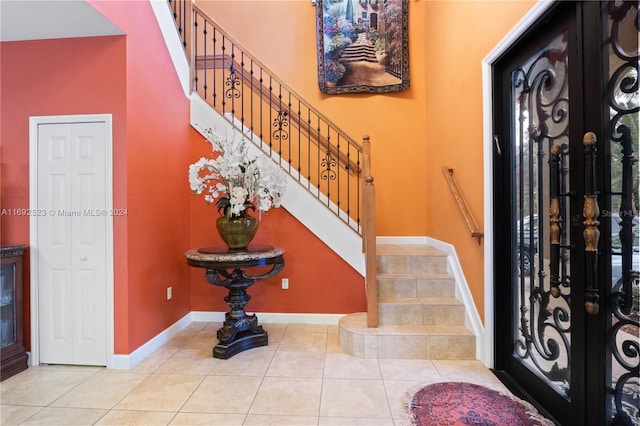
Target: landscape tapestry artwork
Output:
[(362, 46)]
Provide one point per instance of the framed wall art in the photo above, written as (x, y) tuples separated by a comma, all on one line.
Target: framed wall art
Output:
[(363, 45)]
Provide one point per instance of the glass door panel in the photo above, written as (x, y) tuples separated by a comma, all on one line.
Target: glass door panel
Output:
[(7, 305), (540, 135), (569, 340)]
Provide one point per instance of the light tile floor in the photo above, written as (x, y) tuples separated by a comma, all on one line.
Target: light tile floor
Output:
[(301, 378)]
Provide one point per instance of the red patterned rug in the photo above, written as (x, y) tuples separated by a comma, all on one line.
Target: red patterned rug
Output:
[(459, 403)]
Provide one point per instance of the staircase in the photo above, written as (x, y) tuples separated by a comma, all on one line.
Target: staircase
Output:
[(409, 287), (419, 315)]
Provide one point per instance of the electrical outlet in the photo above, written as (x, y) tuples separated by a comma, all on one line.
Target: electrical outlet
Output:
[(169, 293), (285, 283)]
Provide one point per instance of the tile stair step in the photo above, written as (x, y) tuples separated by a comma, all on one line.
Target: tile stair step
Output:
[(397, 285), (452, 301), (419, 315), (420, 311), (420, 285), (410, 258), (404, 264), (435, 285), (405, 341), (400, 300)]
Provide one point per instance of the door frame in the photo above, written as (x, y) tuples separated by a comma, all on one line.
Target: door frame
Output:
[(34, 122), (490, 148)]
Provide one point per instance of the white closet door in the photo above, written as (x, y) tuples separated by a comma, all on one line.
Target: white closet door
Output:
[(72, 240)]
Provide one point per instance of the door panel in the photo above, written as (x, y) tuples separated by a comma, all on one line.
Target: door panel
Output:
[(534, 197), (566, 204), (89, 242), (539, 96), (72, 243), (54, 269), (622, 255)]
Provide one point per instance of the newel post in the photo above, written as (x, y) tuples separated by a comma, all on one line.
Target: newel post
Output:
[(369, 235)]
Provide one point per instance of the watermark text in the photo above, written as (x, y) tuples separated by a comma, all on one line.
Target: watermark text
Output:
[(64, 212)]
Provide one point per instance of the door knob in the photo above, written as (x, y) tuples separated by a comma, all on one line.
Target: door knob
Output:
[(83, 258)]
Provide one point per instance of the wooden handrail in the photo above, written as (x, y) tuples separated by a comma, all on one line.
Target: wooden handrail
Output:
[(472, 225), (369, 236), (275, 78), (226, 62)]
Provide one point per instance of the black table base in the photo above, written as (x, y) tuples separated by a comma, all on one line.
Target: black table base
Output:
[(240, 331), (244, 340)]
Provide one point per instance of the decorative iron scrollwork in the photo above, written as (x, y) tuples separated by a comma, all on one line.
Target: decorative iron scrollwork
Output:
[(281, 124), (624, 350), (328, 163), (620, 19), (233, 82)]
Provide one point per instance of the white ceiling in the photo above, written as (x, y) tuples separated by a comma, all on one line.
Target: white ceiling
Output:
[(43, 19)]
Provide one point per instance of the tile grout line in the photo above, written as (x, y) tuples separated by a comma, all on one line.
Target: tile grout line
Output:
[(324, 369), (264, 375)]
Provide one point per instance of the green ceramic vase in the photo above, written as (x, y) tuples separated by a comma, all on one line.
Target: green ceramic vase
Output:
[(237, 232)]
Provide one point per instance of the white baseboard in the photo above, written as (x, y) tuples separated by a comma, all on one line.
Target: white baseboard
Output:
[(128, 361), (472, 317), (402, 240)]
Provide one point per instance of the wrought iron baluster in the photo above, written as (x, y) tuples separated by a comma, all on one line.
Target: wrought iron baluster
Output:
[(591, 234), (195, 47), (627, 213), (214, 40), (204, 42)]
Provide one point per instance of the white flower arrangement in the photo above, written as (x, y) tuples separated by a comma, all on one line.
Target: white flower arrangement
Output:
[(233, 180)]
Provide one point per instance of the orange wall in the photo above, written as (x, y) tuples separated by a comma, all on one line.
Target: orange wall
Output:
[(133, 78), (395, 122), (435, 123), (156, 131), (57, 77), (152, 102), (454, 117)]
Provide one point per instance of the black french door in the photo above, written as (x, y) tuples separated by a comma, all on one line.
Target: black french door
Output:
[(566, 251)]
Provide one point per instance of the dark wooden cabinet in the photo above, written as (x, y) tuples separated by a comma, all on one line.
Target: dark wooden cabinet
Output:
[(13, 357)]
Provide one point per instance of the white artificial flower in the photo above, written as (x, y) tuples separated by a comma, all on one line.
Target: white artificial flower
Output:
[(233, 180)]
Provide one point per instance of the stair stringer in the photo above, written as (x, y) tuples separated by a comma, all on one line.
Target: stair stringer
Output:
[(297, 200), (167, 26), (463, 293)]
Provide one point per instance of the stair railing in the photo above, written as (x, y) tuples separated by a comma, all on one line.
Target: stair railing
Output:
[(286, 127), (312, 149)]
